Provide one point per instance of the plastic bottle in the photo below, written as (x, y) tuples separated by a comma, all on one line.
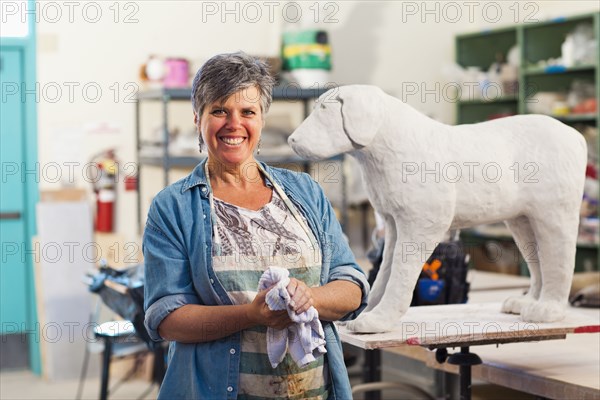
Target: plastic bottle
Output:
[(567, 49)]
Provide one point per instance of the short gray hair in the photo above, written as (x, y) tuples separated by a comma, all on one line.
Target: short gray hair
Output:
[(226, 74)]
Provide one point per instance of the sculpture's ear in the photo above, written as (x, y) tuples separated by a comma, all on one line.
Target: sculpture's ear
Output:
[(363, 110)]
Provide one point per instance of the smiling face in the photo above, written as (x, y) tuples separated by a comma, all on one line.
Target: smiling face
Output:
[(231, 129)]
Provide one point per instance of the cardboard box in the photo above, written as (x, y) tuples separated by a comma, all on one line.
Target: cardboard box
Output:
[(62, 195), (497, 256), (118, 252)]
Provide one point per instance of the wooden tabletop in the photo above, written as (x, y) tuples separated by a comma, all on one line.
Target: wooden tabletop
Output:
[(467, 325), (568, 368), (556, 369)]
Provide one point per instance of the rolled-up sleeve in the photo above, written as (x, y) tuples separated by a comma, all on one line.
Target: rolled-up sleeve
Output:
[(349, 273), (168, 281)]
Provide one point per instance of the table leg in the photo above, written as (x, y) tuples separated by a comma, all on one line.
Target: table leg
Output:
[(465, 378), (372, 372), (465, 360), (158, 370), (106, 355)]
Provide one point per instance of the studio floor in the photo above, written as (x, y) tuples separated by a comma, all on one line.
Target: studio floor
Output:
[(17, 385)]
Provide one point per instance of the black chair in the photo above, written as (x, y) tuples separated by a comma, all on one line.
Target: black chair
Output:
[(123, 292)]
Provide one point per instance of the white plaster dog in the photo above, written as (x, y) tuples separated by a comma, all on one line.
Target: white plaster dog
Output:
[(425, 177)]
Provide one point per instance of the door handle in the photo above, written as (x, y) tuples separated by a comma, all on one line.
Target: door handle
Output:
[(10, 215)]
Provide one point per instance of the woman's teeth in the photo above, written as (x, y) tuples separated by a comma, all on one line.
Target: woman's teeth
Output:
[(232, 141)]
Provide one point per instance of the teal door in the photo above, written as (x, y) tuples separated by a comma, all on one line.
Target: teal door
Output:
[(14, 292)]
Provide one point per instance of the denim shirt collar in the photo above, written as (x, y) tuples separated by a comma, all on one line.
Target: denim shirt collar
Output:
[(198, 178)]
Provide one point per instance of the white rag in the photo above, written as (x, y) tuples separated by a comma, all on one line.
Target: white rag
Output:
[(305, 339)]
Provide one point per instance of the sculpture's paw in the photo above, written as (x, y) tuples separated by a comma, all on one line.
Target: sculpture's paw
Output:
[(515, 304), (370, 323), (544, 311)]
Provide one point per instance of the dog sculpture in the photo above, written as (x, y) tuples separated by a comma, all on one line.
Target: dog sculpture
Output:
[(425, 177)]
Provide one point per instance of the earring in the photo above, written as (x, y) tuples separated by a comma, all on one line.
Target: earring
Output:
[(258, 147), (200, 143)]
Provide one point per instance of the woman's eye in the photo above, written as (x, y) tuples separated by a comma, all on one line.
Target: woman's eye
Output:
[(249, 112), (218, 112)]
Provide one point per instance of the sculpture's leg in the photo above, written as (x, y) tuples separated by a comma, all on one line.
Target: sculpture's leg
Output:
[(556, 235), (409, 256), (384, 270), (524, 237)]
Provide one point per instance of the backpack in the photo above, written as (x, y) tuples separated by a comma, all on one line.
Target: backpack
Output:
[(443, 279)]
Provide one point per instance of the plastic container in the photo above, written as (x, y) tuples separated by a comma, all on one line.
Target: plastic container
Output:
[(177, 73), (567, 50)]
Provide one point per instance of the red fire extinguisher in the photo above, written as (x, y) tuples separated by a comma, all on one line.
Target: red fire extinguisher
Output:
[(105, 189), (105, 207)]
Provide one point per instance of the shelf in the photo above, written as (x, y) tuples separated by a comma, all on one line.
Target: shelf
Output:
[(588, 245), (560, 20), (572, 117), (192, 161), (558, 69), (474, 50), (501, 233), (487, 32), (544, 40), (165, 94), (537, 43), (474, 112), (529, 25), (576, 117), (293, 92), (288, 92), (174, 162), (505, 99), (489, 231)]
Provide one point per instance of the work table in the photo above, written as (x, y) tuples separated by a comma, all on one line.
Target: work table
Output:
[(553, 360)]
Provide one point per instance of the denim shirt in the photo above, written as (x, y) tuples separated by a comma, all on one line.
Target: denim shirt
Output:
[(178, 258)]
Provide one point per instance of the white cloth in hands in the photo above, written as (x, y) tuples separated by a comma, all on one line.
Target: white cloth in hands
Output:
[(305, 339)]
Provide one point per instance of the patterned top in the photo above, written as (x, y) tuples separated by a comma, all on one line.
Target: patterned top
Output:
[(251, 241)]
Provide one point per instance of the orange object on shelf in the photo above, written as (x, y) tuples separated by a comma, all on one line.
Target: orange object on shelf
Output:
[(588, 106)]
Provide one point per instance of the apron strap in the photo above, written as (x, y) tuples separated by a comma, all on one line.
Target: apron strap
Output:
[(213, 215), (291, 207)]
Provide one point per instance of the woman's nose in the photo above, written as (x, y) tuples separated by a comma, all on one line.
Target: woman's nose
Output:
[(234, 120)]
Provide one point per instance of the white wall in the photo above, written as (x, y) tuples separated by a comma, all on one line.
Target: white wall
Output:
[(381, 43), (108, 55), (392, 44)]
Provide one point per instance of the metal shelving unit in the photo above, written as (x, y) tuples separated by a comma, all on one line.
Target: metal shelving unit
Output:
[(166, 161), (537, 42)]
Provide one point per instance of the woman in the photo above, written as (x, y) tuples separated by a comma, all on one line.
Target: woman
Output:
[(211, 235)]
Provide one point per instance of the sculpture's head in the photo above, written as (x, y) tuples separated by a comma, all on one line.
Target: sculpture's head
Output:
[(344, 119)]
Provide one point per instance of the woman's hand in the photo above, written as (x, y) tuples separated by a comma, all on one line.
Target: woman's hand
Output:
[(261, 314), (301, 296)]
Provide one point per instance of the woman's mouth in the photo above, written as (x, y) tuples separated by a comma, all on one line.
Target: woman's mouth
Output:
[(232, 141)]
